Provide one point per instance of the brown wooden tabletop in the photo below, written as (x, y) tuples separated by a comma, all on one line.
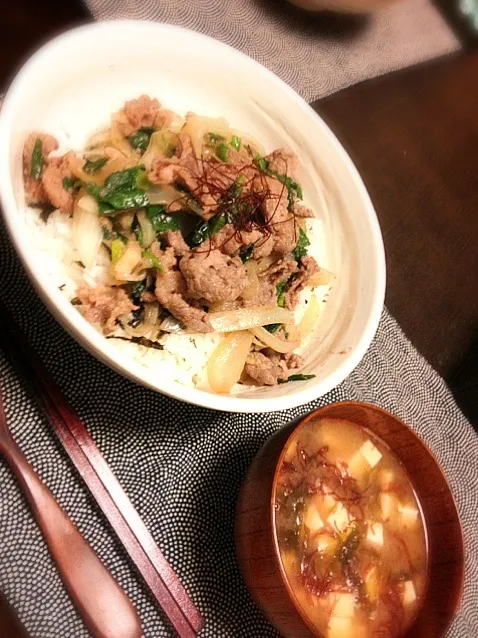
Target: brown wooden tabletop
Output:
[(414, 138)]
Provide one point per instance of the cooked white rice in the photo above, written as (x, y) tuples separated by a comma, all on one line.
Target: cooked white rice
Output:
[(184, 357)]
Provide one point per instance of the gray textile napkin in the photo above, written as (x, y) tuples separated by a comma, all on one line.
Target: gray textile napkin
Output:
[(316, 54), (181, 465)]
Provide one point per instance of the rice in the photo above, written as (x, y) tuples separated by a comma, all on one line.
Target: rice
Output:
[(184, 357)]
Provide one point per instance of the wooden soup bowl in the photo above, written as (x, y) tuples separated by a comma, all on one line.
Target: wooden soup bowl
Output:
[(256, 540)]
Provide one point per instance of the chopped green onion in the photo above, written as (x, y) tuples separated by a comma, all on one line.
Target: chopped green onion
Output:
[(235, 142), (38, 160), (222, 151), (117, 249), (155, 261), (93, 166)]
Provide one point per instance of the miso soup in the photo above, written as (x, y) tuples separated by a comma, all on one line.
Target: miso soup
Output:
[(350, 532)]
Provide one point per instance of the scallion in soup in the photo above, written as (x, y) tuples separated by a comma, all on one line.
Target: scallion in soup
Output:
[(350, 532)]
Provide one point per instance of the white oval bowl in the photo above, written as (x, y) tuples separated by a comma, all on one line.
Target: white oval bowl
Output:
[(71, 86)]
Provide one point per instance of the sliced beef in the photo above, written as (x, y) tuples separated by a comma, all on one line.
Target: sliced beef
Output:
[(281, 221), (267, 367), (213, 276), (34, 188), (284, 163), (265, 370), (230, 241), (57, 169), (303, 211), (104, 304), (171, 289), (143, 112), (174, 240), (279, 271), (307, 268)]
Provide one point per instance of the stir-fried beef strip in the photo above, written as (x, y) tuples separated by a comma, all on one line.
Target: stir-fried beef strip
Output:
[(231, 205)]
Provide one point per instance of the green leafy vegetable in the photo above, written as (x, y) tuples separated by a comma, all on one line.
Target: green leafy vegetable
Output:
[(297, 377), (235, 142), (247, 254), (122, 190), (155, 261), (117, 249), (69, 183), (140, 140), (301, 248), (262, 164), (160, 219), (137, 231), (38, 160), (209, 228), (137, 290), (273, 327), (93, 166), (222, 151), (212, 139), (293, 188), (280, 290)]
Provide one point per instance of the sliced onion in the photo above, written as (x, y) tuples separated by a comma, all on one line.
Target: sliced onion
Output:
[(118, 140), (246, 318), (272, 341), (149, 234), (321, 278), (162, 144), (310, 317), (227, 362), (265, 263), (171, 324), (87, 230), (151, 313), (219, 306), (99, 139), (112, 166), (197, 126), (252, 290), (164, 195), (123, 269)]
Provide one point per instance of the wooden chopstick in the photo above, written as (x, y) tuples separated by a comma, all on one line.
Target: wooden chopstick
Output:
[(108, 493)]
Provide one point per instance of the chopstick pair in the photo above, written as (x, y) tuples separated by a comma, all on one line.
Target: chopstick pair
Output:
[(107, 491)]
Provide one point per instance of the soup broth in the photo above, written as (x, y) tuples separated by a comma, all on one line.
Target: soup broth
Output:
[(350, 532)]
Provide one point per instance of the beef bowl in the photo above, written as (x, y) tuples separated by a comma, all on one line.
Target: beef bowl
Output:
[(188, 218)]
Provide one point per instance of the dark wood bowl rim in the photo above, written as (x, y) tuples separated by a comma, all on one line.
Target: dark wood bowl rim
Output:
[(313, 415)]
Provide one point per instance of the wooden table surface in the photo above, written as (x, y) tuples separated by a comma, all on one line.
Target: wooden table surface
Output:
[(413, 136)]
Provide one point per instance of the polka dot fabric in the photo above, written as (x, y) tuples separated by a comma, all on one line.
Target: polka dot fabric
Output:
[(182, 467)]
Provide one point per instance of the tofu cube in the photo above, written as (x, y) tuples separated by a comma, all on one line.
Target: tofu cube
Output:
[(340, 627), (370, 453), (388, 505), (409, 595), (339, 519), (408, 516), (375, 533), (385, 479), (312, 518), (343, 605), (358, 466)]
